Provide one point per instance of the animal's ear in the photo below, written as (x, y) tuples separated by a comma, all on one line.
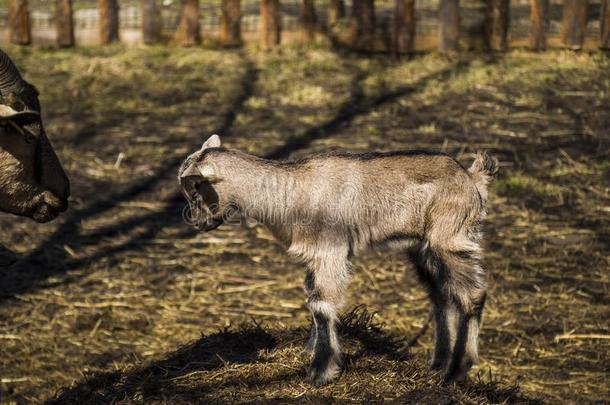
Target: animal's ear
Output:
[(17, 129), (15, 120), (208, 172), (190, 171), (205, 170), (212, 142)]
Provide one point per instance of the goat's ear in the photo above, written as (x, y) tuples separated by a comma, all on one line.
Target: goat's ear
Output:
[(204, 170), (208, 172), (212, 142), (190, 171)]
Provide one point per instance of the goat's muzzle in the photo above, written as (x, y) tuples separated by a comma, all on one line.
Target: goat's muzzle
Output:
[(48, 207)]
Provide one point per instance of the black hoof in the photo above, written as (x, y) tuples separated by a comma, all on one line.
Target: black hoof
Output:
[(438, 365), (457, 374), (325, 369), (319, 377)]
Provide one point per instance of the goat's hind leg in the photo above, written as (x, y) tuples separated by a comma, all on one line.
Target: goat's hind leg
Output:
[(312, 335), (432, 274), (466, 289), (456, 285)]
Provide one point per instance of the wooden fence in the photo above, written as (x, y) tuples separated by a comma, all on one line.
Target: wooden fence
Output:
[(400, 26)]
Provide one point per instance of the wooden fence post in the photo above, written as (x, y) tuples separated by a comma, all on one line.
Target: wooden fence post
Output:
[(271, 24), (356, 23), (151, 21), (497, 19), (188, 32), (363, 24), (64, 23), (404, 26), (449, 19), (605, 25), (109, 21), (19, 22), (307, 17), (368, 25), (230, 23), (574, 23), (336, 11), (539, 22)]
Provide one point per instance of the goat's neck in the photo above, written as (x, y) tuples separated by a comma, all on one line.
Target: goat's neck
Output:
[(265, 192)]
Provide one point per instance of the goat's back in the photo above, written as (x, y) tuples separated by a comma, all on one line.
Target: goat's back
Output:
[(382, 195)]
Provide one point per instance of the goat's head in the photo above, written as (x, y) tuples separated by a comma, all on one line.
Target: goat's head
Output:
[(202, 186), (32, 180)]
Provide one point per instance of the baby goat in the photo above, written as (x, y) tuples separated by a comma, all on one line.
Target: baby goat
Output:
[(328, 208)]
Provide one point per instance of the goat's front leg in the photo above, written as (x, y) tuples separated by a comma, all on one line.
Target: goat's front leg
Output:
[(309, 288), (325, 284)]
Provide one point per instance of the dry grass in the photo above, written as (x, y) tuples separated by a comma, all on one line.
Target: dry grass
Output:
[(119, 301)]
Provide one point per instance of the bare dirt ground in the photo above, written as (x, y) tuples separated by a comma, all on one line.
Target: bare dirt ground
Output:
[(119, 301)]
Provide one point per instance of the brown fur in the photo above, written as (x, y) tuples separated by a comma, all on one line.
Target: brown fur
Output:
[(328, 208)]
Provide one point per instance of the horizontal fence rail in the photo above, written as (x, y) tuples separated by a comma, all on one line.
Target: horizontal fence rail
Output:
[(384, 25)]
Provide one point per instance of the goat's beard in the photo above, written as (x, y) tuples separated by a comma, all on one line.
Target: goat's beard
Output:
[(203, 220), (209, 224)]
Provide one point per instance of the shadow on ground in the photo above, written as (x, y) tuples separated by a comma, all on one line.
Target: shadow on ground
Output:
[(252, 362)]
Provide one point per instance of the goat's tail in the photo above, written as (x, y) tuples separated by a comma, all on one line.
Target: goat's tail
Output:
[(482, 172)]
